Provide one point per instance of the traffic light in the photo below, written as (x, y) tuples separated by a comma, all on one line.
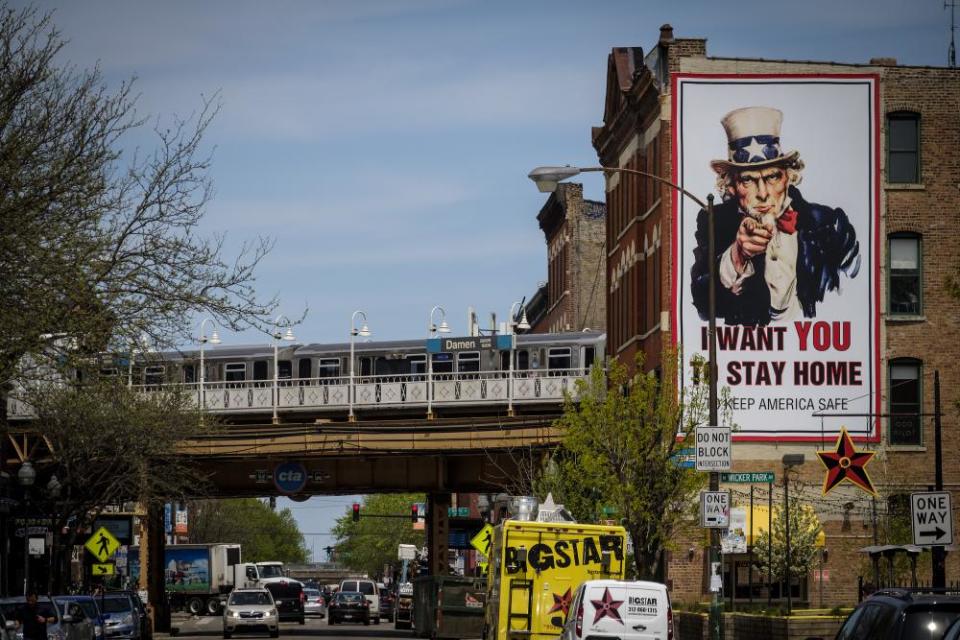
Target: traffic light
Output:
[(414, 513), (356, 512)]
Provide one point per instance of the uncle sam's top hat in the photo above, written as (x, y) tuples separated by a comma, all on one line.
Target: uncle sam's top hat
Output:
[(753, 137)]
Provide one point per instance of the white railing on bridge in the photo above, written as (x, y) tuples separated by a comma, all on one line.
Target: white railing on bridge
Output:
[(484, 388)]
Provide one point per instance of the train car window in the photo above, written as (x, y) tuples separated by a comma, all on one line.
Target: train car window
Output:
[(468, 361), (558, 358), (304, 368), (154, 375), (418, 363), (259, 369), (284, 369), (189, 373), (523, 360), (534, 358), (589, 353), (443, 363), (109, 372), (235, 371), (366, 366), (328, 368)]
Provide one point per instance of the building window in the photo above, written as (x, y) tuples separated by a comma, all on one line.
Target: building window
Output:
[(905, 289), (903, 147), (905, 402)]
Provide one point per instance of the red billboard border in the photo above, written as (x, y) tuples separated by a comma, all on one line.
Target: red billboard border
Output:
[(675, 78)]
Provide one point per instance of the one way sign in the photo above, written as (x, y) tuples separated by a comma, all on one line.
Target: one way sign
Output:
[(932, 518)]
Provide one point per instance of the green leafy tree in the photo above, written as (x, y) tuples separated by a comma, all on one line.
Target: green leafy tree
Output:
[(264, 534), (618, 440), (804, 529), (371, 543)]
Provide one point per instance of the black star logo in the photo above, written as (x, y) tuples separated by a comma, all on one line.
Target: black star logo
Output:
[(562, 603), (607, 607)]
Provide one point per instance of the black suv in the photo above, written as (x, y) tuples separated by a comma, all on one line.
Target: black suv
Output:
[(289, 596), (902, 614)]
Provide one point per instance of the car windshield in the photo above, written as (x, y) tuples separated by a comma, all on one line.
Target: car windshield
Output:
[(929, 623), (116, 605), (65, 607), (250, 597)]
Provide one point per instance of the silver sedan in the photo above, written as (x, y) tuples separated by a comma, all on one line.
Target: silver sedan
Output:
[(314, 605)]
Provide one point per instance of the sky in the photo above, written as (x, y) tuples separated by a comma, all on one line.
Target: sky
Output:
[(384, 144)]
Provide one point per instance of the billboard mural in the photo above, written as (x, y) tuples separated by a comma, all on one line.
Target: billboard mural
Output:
[(187, 569), (796, 264)]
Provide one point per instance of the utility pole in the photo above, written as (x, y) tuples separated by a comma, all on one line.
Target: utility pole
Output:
[(715, 603), (938, 555), (952, 51)]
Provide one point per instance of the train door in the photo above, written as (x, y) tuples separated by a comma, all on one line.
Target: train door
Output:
[(284, 369), (260, 370), (189, 372), (587, 356), (304, 370), (366, 366)]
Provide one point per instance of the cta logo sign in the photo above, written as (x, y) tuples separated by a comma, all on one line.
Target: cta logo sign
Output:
[(290, 477)]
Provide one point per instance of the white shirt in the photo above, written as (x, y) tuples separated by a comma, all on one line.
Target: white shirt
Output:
[(780, 271)]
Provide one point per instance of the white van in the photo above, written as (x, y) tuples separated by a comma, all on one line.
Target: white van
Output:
[(608, 609), (369, 590)]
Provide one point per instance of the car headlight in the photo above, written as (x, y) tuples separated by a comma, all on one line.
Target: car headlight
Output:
[(127, 619), (233, 613), (272, 613)]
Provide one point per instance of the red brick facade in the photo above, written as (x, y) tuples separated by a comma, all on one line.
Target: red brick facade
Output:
[(636, 134)]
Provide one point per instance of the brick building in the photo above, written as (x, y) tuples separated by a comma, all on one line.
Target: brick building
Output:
[(914, 246), (573, 297)]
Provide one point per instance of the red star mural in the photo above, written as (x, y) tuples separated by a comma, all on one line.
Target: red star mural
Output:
[(562, 603), (846, 463), (607, 607)]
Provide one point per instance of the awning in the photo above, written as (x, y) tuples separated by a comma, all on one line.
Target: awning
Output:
[(759, 519)]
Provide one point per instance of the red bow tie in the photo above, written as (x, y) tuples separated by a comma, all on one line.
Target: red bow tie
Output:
[(787, 222)]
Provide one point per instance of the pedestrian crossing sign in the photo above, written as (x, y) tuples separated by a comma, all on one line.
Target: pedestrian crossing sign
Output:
[(482, 541), (102, 544)]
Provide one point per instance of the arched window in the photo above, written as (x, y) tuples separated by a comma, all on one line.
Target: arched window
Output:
[(905, 285), (903, 147), (906, 401)]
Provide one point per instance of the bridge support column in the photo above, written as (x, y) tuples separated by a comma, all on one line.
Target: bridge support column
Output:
[(438, 532), (152, 546)]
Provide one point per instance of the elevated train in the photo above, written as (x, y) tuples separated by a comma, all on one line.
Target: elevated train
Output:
[(388, 375)]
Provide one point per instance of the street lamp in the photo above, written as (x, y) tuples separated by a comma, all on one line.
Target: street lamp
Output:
[(214, 339), (363, 332), (279, 321), (26, 476), (790, 460), (547, 179), (433, 328)]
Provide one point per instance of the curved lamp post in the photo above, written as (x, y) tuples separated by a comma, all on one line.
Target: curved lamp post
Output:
[(363, 332), (213, 339), (547, 179), (278, 322), (432, 329)]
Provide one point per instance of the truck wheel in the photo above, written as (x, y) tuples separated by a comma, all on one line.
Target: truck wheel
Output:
[(213, 607), (195, 606), (302, 620)]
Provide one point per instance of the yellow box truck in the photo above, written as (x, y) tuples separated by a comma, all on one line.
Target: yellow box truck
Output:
[(535, 568)]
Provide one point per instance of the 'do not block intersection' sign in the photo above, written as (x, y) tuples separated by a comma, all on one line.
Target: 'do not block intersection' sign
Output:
[(713, 449)]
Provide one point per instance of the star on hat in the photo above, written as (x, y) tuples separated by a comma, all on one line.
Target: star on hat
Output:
[(846, 463)]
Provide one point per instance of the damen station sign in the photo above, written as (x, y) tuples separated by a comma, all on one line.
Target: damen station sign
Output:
[(470, 343)]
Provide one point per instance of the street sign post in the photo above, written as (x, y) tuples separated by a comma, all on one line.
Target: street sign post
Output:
[(932, 516), (715, 509), (713, 449), (751, 477)]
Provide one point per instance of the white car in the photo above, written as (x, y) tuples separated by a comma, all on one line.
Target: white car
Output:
[(370, 592), (618, 609), (250, 610)]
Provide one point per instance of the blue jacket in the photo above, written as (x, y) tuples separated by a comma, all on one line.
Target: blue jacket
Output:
[(826, 245)]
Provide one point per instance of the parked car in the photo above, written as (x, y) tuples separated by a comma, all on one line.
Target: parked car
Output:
[(8, 628), (250, 610), (643, 612), (387, 602), (313, 603), (90, 608), (369, 590), (124, 616), (953, 631), (902, 614), (349, 605), (67, 626), (288, 594)]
